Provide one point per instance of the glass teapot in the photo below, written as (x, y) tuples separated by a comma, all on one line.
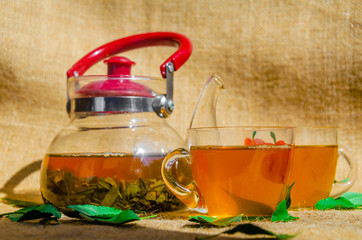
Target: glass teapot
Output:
[(111, 152)]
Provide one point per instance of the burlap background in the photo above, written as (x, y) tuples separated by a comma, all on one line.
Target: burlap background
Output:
[(283, 62)]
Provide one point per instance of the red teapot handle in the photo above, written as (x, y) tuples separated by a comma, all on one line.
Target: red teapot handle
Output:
[(133, 42)]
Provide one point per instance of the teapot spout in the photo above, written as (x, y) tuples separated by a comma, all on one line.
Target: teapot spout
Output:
[(205, 110)]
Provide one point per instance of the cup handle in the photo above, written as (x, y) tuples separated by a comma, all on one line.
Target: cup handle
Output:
[(190, 194), (340, 187)]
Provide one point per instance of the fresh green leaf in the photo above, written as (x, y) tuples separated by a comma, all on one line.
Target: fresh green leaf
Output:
[(46, 211), (227, 221), (331, 203), (349, 200), (254, 133), (96, 211), (250, 229), (222, 222), (273, 136), (287, 197), (202, 219), (353, 197), (121, 218), (281, 214), (18, 203), (104, 214)]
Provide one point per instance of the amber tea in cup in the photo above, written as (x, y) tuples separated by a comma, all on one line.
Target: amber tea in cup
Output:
[(314, 166), (234, 170)]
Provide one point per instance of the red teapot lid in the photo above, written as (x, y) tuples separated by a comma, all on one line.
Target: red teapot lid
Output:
[(118, 83)]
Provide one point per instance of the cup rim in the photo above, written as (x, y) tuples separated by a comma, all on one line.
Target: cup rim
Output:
[(245, 128), (317, 127)]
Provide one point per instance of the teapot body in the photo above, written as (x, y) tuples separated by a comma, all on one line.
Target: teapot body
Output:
[(110, 160), (111, 152)]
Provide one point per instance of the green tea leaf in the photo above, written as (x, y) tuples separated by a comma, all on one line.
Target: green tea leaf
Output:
[(331, 203), (250, 229), (281, 214), (68, 182), (110, 197), (103, 214), (18, 203), (46, 211), (273, 136), (353, 197), (139, 195)]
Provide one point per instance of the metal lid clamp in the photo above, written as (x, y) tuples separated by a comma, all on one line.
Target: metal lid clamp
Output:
[(163, 105)]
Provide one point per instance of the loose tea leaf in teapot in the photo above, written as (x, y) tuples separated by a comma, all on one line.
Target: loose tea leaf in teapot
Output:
[(64, 189)]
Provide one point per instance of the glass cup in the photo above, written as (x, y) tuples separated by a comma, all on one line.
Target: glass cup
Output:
[(229, 171), (314, 166)]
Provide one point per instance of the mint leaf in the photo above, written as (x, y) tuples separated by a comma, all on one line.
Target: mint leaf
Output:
[(121, 218), (353, 197), (18, 203), (96, 211), (250, 229), (222, 222), (281, 214), (331, 203), (227, 221), (104, 214), (349, 200), (46, 212), (202, 219)]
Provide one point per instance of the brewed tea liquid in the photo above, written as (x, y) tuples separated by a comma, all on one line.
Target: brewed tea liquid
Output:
[(235, 180), (107, 179), (314, 169)]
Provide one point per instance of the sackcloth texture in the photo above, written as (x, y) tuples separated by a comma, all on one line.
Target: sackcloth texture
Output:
[(287, 63)]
